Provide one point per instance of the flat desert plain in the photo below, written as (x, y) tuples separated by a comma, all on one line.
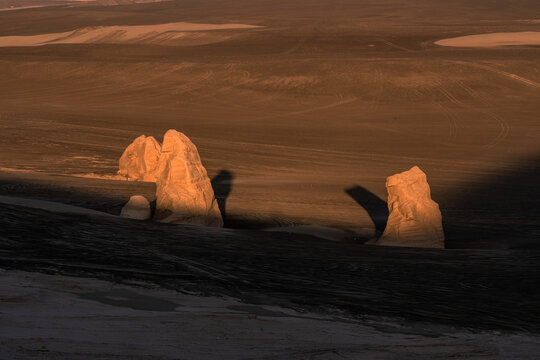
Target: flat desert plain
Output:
[(300, 111)]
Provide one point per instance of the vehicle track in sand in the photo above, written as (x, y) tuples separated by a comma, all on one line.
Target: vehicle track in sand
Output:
[(395, 46), (514, 77), (502, 124), (340, 100)]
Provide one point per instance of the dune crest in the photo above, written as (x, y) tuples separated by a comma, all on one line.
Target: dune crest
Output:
[(119, 34), (493, 40)]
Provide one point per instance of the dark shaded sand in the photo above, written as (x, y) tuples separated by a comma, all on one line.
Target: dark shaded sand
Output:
[(478, 289), (66, 318)]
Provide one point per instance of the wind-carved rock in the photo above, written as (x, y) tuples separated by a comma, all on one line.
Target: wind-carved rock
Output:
[(184, 194), (415, 219), (139, 162), (136, 208)]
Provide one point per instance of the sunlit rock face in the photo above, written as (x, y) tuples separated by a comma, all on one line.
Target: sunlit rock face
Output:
[(136, 208), (139, 162), (183, 190), (415, 219)]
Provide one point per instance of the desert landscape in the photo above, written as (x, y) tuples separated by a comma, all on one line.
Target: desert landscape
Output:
[(299, 111)]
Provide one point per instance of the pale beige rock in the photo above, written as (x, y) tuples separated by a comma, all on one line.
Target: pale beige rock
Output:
[(136, 208), (415, 219), (139, 162), (183, 190)]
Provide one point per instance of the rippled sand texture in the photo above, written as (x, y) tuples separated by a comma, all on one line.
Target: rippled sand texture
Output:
[(161, 33)]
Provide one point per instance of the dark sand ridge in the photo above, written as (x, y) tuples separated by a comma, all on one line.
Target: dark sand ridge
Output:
[(477, 289)]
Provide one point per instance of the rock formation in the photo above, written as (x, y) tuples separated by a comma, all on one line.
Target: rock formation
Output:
[(183, 190), (140, 159), (136, 208), (414, 220)]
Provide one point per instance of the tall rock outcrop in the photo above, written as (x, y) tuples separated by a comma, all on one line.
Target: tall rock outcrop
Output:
[(415, 219), (183, 190), (139, 162), (137, 208)]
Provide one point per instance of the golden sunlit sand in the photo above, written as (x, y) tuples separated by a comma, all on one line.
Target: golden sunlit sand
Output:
[(494, 39), (119, 34)]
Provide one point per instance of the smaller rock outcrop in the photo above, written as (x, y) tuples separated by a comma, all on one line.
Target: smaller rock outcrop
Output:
[(184, 194), (414, 218), (136, 208), (139, 161)]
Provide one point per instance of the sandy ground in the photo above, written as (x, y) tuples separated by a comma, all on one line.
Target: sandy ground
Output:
[(299, 122), (119, 34), (494, 40), (16, 5), (58, 317)]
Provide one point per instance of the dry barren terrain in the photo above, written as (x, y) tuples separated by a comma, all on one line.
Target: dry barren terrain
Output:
[(299, 111), (321, 99)]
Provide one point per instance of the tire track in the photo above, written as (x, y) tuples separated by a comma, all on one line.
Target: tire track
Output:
[(508, 75), (504, 127), (391, 44)]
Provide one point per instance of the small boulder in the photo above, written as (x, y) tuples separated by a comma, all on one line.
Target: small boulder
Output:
[(140, 159), (184, 194), (136, 208), (414, 218)]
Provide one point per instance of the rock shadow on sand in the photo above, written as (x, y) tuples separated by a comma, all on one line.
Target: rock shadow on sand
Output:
[(222, 185), (376, 208), (499, 211)]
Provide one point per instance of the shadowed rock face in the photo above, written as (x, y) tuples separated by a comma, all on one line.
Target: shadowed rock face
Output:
[(140, 159), (183, 190), (415, 219), (136, 208)]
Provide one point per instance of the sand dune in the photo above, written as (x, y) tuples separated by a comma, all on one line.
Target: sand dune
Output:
[(493, 40), (7, 5), (120, 34)]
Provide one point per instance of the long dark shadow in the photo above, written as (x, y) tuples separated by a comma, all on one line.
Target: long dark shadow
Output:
[(501, 210), (375, 206), (222, 184)]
